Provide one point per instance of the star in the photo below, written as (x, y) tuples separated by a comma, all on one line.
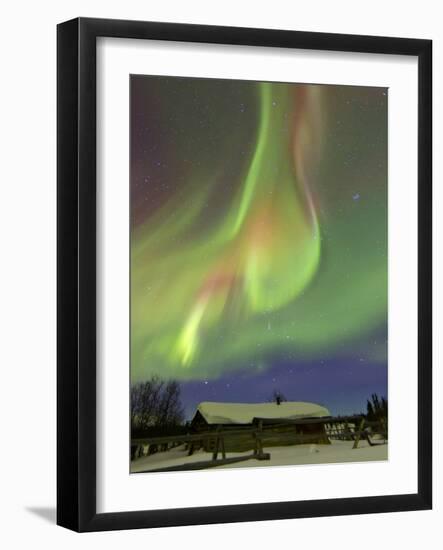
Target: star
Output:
[(226, 247)]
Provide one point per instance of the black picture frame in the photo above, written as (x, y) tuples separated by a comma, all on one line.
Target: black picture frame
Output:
[(76, 265)]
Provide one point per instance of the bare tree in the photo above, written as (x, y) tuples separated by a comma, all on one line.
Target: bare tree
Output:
[(170, 410), (156, 403)]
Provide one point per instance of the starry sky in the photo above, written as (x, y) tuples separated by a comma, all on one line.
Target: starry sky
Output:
[(259, 239)]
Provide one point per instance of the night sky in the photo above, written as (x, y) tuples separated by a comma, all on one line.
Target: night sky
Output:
[(259, 240)]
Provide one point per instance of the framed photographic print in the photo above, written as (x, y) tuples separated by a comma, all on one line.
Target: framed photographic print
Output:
[(244, 274)]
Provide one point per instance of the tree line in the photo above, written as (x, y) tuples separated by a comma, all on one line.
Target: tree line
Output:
[(156, 403), (376, 408)]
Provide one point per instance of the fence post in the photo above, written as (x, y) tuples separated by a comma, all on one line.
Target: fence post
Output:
[(217, 442), (258, 441), (223, 451), (360, 429), (215, 453), (384, 428)]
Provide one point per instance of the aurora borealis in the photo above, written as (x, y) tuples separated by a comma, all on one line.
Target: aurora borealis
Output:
[(259, 239)]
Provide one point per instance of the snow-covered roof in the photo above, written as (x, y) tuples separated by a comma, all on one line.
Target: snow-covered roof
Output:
[(244, 413)]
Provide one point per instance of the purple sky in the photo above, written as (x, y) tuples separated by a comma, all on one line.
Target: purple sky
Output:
[(339, 384)]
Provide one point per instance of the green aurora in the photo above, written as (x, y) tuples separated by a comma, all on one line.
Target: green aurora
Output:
[(290, 260)]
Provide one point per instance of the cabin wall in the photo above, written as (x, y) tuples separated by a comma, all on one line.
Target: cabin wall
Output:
[(272, 436), (282, 435)]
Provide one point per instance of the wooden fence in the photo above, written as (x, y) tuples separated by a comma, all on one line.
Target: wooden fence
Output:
[(353, 428), (214, 440)]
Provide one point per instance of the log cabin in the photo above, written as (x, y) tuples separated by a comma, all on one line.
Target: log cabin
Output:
[(284, 423)]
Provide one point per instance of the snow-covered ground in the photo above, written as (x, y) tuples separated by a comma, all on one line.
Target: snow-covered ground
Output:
[(338, 451)]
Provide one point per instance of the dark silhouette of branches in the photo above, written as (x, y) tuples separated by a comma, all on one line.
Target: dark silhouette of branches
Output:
[(376, 408), (377, 411), (156, 403)]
